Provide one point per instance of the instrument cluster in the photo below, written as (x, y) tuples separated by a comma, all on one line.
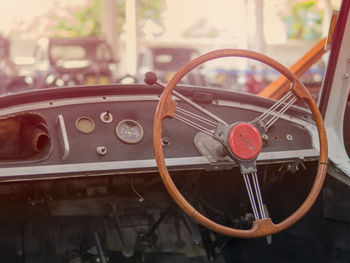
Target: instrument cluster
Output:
[(127, 130)]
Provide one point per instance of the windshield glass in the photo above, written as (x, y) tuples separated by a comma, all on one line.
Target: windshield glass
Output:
[(159, 35)]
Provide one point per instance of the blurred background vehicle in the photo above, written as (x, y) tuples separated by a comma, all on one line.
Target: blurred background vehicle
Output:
[(10, 79), (165, 60), (73, 61), (270, 27)]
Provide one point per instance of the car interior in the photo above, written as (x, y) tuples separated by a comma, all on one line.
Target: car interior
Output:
[(175, 172)]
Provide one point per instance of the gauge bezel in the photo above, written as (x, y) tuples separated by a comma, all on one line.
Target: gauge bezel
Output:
[(85, 118), (120, 137)]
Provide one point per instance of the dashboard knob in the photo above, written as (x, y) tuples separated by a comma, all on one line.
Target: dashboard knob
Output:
[(101, 150), (150, 78)]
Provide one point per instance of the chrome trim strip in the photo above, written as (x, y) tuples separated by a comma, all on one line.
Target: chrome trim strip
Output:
[(64, 137), (98, 99), (100, 166), (288, 154), (131, 166), (80, 100)]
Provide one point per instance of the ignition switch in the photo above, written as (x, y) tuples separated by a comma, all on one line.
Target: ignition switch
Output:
[(106, 117)]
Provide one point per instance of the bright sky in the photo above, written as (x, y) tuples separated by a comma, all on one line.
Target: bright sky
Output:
[(20, 10), (234, 19), (224, 14), (179, 14), (231, 17)]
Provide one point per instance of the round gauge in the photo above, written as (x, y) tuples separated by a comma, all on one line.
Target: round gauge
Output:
[(85, 125), (129, 131)]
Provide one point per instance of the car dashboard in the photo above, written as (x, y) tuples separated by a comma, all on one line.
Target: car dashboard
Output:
[(80, 180), (101, 130)]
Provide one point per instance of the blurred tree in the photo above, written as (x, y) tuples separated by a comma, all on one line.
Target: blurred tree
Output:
[(147, 10), (86, 21), (304, 21)]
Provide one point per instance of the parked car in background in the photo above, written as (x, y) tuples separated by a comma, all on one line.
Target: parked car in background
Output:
[(73, 61), (10, 79), (165, 60)]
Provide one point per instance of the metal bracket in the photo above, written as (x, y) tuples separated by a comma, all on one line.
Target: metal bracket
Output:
[(212, 149)]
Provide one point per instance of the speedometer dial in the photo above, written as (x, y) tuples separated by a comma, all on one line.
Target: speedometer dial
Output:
[(129, 131)]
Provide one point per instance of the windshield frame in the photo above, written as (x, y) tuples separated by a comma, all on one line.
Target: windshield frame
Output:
[(333, 58)]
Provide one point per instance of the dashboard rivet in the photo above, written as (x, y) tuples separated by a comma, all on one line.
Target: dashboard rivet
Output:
[(265, 137), (165, 141)]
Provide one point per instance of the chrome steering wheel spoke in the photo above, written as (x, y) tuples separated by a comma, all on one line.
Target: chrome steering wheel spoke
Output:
[(255, 197), (189, 118), (205, 125), (198, 107), (195, 121), (271, 115)]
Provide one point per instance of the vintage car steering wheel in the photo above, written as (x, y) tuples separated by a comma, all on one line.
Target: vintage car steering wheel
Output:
[(242, 142)]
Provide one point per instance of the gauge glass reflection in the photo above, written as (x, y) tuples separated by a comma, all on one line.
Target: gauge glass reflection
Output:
[(129, 131)]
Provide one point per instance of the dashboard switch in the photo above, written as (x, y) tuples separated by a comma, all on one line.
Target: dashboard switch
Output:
[(101, 150), (106, 117)]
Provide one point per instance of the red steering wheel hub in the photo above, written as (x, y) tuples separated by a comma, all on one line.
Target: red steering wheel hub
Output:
[(244, 141)]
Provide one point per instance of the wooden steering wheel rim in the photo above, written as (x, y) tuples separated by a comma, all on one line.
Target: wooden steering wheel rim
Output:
[(166, 108)]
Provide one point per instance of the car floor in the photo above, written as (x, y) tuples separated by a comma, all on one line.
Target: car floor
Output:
[(321, 236), (30, 234)]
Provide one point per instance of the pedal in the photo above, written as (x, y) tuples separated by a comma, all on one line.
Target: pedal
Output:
[(192, 228), (165, 243), (127, 249)]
